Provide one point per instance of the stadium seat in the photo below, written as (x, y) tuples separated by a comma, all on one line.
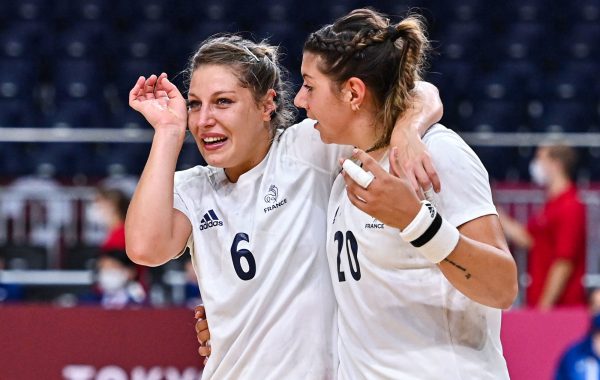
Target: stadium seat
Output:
[(18, 79), (24, 256)]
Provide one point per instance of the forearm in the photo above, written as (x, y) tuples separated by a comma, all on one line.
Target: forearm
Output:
[(516, 233), (425, 110), (558, 276), (482, 272), (150, 220)]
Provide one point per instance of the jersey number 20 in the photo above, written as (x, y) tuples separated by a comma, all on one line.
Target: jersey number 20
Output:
[(351, 245), (238, 254)]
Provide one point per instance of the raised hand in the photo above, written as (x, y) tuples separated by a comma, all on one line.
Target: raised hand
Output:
[(389, 198), (160, 102)]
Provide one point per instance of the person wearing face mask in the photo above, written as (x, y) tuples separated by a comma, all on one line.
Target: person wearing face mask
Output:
[(581, 360), (109, 209), (556, 236), (116, 281)]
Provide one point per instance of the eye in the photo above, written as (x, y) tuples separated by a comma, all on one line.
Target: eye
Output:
[(307, 87), (193, 105), (224, 102)]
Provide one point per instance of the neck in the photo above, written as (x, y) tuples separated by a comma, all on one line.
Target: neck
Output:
[(363, 132), (558, 186), (234, 173)]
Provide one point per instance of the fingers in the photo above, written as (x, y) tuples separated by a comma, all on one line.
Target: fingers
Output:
[(422, 178), (164, 84), (368, 163), (199, 312), (432, 174), (204, 351), (354, 190), (202, 331), (135, 91)]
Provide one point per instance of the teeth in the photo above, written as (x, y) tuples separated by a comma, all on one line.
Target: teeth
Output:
[(213, 139)]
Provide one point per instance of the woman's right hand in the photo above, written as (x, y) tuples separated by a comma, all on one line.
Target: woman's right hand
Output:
[(160, 102), (202, 332)]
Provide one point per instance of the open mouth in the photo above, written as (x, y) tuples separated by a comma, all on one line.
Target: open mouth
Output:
[(213, 141)]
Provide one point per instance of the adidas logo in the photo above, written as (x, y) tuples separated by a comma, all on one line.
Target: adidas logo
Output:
[(431, 209), (210, 220)]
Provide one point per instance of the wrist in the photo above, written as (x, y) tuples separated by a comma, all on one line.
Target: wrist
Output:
[(169, 134), (434, 237)]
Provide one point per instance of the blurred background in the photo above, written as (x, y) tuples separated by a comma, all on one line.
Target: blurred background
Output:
[(511, 74)]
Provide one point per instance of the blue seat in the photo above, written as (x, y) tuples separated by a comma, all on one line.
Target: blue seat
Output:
[(78, 113), (127, 71), (88, 41), (564, 116), (18, 79), (132, 157), (77, 79), (146, 41), (87, 11), (496, 116), (30, 10), (11, 159), (18, 113)]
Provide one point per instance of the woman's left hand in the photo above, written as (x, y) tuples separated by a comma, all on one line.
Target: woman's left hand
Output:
[(391, 199)]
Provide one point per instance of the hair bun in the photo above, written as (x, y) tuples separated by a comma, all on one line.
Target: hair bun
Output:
[(393, 33)]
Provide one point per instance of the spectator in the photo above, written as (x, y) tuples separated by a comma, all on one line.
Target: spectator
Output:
[(110, 208), (555, 237), (581, 361), (116, 281)]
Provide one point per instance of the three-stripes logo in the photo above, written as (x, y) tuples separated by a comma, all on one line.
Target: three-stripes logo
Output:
[(210, 220)]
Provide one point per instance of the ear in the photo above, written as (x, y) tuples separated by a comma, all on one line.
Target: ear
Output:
[(354, 91), (269, 106)]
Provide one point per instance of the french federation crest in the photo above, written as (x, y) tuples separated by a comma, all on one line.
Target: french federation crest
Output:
[(271, 196)]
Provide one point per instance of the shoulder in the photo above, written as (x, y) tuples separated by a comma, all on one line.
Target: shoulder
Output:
[(451, 154), (303, 130), (191, 176), (444, 142)]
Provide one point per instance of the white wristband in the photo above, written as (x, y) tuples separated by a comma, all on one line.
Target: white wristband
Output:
[(420, 223), (431, 234)]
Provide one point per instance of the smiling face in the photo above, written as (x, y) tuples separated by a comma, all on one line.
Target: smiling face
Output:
[(323, 102), (230, 129)]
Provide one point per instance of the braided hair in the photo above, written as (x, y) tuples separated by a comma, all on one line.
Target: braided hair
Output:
[(257, 67), (387, 58)]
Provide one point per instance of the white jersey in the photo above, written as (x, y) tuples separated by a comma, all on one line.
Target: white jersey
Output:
[(398, 316), (259, 254)]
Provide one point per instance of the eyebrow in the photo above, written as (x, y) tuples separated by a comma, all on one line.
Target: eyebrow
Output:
[(304, 75), (217, 93)]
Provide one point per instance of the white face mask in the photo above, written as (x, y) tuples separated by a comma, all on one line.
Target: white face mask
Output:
[(111, 280), (95, 215), (538, 173)]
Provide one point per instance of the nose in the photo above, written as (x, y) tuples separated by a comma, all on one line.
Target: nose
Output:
[(203, 117), (300, 98)]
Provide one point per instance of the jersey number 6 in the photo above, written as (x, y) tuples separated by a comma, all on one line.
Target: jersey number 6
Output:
[(237, 254), (351, 245)]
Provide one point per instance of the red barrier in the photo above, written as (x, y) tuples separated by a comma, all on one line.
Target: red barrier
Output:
[(533, 341), (44, 342)]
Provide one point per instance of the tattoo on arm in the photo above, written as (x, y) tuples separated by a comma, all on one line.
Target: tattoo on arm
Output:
[(467, 274)]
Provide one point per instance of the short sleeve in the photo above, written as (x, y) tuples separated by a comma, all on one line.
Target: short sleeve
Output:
[(466, 193), (180, 181), (303, 142)]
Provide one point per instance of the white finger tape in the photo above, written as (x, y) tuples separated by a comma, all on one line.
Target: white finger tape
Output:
[(363, 178)]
